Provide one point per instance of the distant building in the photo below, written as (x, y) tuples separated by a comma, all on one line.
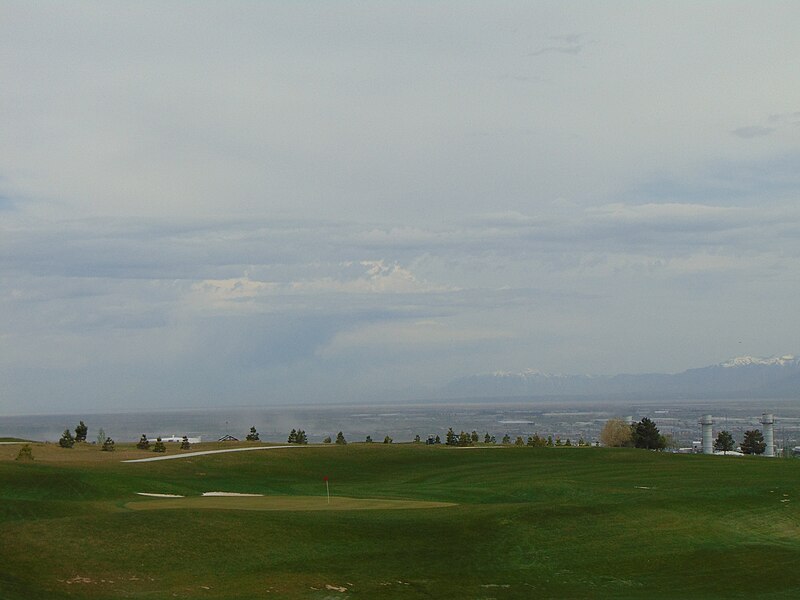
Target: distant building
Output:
[(176, 439)]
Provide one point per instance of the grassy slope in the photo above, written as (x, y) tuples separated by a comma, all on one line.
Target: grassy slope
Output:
[(529, 523)]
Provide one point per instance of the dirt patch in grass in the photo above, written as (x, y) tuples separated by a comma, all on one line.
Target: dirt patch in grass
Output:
[(282, 503)]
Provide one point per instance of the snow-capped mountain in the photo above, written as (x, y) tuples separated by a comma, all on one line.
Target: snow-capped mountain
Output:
[(742, 376)]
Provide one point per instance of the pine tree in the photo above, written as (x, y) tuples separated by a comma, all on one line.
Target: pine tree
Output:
[(66, 441), (108, 445), (292, 437), (387, 440), (464, 439), (185, 445), (80, 432), (506, 439), (252, 436), (450, 438), (366, 441), (487, 439), (159, 446), (646, 435), (475, 438), (327, 440), (519, 441), (143, 443), (340, 438), (753, 442), (302, 438), (438, 440), (724, 442)]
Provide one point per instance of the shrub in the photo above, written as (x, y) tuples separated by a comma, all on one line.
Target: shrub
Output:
[(159, 446), (108, 445), (25, 453), (340, 438), (143, 443)]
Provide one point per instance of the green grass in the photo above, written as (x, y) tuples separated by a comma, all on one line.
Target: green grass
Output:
[(528, 523)]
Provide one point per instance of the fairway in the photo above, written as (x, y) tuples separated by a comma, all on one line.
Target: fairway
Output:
[(520, 523), (282, 503)]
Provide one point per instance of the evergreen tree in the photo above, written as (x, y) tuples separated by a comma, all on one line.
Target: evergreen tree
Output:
[(143, 443), (475, 438), (340, 439), (464, 439), (66, 441), (450, 438), (558, 441), (252, 436), (108, 445), (581, 442), (387, 440), (569, 443), (327, 440), (724, 442), (185, 445), (292, 437), (368, 440), (549, 441), (159, 446), (487, 439), (416, 439), (80, 432), (506, 439), (646, 435), (302, 438), (438, 440), (519, 441), (753, 442)]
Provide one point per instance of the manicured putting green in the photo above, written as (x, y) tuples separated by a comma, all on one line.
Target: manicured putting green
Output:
[(282, 503)]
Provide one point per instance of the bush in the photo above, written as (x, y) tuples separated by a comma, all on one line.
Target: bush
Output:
[(25, 453), (327, 440), (143, 443), (108, 445), (387, 440), (340, 438), (159, 446), (185, 445)]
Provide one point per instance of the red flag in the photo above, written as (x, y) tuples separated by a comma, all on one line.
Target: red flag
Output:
[(325, 478)]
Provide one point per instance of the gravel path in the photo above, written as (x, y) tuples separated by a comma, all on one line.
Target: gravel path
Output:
[(189, 454)]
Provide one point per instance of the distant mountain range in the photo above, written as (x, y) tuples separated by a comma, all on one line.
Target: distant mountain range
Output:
[(745, 376)]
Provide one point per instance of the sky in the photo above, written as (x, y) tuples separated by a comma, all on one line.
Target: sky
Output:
[(252, 203)]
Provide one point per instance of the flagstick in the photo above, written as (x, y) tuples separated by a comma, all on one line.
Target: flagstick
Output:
[(328, 489)]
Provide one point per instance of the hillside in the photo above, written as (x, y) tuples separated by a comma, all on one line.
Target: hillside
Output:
[(493, 522)]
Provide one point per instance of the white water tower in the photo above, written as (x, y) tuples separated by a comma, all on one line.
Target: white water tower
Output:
[(767, 420), (708, 435)]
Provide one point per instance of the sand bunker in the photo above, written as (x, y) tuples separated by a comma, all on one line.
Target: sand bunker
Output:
[(282, 503), (159, 495)]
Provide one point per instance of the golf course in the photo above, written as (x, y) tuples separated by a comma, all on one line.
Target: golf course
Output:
[(396, 521)]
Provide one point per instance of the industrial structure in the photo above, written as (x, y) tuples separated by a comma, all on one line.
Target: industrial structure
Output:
[(708, 436), (768, 421)]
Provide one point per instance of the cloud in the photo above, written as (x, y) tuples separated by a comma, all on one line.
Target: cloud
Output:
[(753, 131)]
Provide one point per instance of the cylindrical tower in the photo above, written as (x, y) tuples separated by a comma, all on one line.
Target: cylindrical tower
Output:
[(708, 436), (768, 421)]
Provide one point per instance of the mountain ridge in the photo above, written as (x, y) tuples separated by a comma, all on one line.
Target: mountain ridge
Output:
[(753, 376)]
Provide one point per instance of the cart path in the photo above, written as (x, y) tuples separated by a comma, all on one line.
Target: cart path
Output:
[(204, 452)]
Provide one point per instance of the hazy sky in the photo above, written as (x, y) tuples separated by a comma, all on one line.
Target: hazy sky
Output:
[(211, 203)]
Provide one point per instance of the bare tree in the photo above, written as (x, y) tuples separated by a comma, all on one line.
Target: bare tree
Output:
[(615, 433)]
